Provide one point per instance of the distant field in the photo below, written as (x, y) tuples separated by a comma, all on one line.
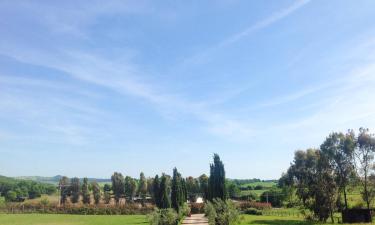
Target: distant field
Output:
[(266, 185), (261, 183), (53, 219)]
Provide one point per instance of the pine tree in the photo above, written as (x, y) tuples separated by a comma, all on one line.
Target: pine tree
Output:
[(74, 190), (85, 192), (217, 187)]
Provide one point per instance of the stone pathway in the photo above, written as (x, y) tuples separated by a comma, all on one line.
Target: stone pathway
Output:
[(196, 219)]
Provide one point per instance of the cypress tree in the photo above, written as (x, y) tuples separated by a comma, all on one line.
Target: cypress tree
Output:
[(107, 193), (64, 187), (165, 201), (156, 191), (85, 192), (177, 191), (118, 186), (142, 188), (96, 192), (217, 187), (74, 190)]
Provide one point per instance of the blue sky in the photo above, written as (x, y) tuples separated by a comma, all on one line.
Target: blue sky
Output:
[(88, 88)]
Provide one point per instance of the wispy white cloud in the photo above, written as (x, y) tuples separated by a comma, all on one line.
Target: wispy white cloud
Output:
[(206, 54)]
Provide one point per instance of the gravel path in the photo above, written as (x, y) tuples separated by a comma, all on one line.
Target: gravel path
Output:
[(196, 219)]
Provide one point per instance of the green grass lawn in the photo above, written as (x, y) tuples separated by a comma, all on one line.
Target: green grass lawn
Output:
[(277, 220), (54, 219)]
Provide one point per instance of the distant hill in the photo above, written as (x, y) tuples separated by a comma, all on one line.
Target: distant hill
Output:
[(55, 179)]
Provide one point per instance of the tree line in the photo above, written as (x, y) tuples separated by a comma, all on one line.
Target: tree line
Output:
[(18, 190), (320, 177), (164, 191)]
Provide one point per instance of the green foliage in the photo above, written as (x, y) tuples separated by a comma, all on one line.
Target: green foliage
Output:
[(217, 187), (253, 211), (107, 193), (315, 182), (339, 150), (130, 187), (203, 185), (142, 187), (85, 192), (24, 188), (275, 196), (156, 191), (11, 196), (177, 192), (118, 186), (221, 212), (163, 217), (365, 149), (75, 189), (164, 193), (64, 187), (233, 189), (96, 192)]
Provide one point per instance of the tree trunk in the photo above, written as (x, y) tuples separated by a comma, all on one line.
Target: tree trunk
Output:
[(345, 199)]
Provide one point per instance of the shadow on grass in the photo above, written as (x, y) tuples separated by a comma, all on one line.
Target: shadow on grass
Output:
[(281, 222)]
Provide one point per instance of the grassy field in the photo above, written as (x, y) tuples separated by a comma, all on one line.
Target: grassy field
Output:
[(54, 219)]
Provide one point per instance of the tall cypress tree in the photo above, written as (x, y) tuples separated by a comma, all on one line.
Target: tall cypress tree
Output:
[(74, 189), (217, 187), (156, 191), (118, 186), (165, 201), (64, 187), (177, 191), (85, 192), (96, 192)]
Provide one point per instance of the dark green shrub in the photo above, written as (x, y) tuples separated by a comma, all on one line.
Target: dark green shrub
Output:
[(253, 211)]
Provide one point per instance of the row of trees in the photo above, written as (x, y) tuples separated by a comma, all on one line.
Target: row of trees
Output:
[(321, 176), (19, 190)]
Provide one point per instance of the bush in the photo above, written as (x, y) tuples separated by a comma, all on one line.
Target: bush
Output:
[(163, 217), (253, 211), (257, 205), (11, 196), (197, 208), (258, 187), (221, 212), (184, 211)]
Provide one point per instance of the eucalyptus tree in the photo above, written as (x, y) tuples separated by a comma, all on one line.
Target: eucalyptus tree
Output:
[(339, 149), (365, 149), (314, 180)]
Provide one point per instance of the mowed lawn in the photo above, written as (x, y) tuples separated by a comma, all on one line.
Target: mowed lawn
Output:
[(279, 220), (59, 219)]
